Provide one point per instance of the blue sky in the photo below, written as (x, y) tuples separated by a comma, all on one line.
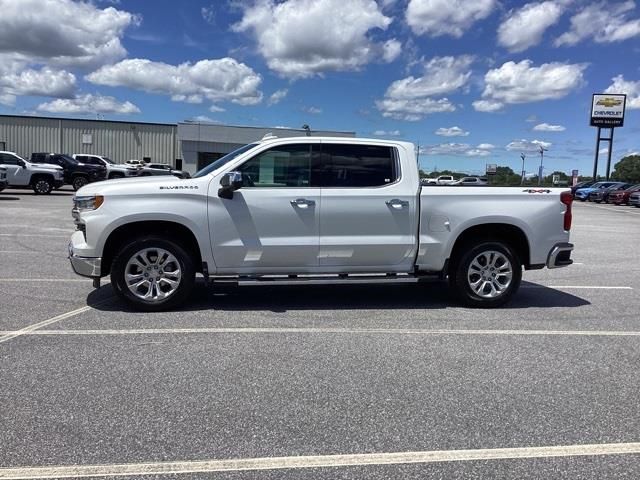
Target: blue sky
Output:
[(471, 82)]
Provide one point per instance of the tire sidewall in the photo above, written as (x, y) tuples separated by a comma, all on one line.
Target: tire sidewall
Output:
[(178, 297), (84, 181), (45, 180), (461, 286)]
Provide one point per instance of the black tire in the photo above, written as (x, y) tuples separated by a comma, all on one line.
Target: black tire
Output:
[(459, 281), (78, 182), (42, 185), (181, 292)]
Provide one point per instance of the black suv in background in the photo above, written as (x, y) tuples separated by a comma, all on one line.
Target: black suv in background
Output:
[(76, 174)]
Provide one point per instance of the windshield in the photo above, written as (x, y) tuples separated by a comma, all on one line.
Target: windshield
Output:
[(224, 160), (109, 161)]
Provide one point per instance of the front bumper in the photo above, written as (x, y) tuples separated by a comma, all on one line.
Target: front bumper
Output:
[(85, 266), (560, 255)]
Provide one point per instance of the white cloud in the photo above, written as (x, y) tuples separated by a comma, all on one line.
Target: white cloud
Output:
[(410, 98), (632, 89), (603, 151), (413, 110), (604, 22), (487, 105), (277, 96), (312, 110), (446, 17), (63, 32), (545, 127), (216, 109), (531, 119), (44, 82), (303, 38), (451, 132), (391, 50), (209, 14), (527, 145), (204, 118), (458, 149), (524, 28), (223, 79), (441, 75), (88, 103), (523, 83), (385, 133)]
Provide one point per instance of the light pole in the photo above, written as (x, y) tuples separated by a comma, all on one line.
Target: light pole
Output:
[(542, 150), (522, 156)]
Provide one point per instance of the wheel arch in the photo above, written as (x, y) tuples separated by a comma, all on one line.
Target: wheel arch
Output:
[(511, 234), (170, 230)]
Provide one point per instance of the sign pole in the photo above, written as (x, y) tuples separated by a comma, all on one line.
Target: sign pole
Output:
[(595, 163), (609, 154)]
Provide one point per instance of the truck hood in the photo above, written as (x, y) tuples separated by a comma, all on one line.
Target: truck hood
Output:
[(144, 185), (47, 166)]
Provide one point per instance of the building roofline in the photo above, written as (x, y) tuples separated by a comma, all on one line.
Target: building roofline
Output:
[(129, 122), (214, 124)]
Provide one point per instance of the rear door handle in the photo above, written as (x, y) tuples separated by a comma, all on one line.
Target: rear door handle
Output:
[(302, 203), (397, 203)]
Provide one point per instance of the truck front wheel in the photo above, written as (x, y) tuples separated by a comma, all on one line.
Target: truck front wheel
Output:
[(153, 274), (485, 274), (42, 185), (78, 182)]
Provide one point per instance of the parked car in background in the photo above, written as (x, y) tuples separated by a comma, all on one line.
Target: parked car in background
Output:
[(582, 194), (621, 197), (76, 174), (472, 181), (135, 163), (3, 178), (602, 194), (20, 173), (442, 180), (114, 170), (581, 185), (634, 199), (161, 169)]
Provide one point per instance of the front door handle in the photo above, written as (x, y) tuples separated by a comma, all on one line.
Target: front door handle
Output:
[(397, 203), (302, 203)]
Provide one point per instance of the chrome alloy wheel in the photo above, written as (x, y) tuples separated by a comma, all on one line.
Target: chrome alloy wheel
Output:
[(152, 274), (42, 186), (490, 274)]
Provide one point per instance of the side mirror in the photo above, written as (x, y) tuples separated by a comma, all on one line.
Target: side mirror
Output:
[(22, 164), (229, 183)]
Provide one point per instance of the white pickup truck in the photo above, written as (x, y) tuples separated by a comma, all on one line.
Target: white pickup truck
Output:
[(314, 209)]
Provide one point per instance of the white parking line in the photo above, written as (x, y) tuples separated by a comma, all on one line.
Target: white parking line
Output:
[(32, 235), (578, 287), (314, 461), (44, 323), (18, 280), (303, 330), (619, 210)]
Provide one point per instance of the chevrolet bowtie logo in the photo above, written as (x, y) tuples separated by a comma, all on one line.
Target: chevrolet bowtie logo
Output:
[(609, 102)]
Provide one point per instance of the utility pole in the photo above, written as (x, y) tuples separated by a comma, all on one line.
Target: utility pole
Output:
[(542, 150), (522, 156)]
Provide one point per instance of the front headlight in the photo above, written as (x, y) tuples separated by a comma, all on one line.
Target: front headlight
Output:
[(89, 202)]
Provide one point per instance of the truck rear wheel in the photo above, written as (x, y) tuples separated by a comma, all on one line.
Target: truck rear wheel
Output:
[(42, 185), (153, 274), (486, 274)]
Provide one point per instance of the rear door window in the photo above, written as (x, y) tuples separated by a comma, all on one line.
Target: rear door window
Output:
[(343, 165)]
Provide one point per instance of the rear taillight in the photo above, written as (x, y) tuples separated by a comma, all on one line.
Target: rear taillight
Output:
[(567, 199)]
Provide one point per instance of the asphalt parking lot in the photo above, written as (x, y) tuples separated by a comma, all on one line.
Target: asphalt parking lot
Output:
[(370, 382)]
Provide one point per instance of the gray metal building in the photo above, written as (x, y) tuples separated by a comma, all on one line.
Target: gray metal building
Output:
[(186, 145), (202, 143)]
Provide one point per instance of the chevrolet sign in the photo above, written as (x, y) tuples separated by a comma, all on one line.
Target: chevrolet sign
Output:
[(607, 110)]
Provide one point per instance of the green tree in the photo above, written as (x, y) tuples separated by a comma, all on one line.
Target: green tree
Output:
[(628, 169)]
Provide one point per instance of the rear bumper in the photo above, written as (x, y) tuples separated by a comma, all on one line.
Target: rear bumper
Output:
[(560, 255)]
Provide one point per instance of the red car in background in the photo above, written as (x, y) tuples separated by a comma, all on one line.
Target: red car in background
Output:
[(621, 197)]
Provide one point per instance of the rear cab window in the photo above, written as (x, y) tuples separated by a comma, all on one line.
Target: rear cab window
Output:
[(353, 165)]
